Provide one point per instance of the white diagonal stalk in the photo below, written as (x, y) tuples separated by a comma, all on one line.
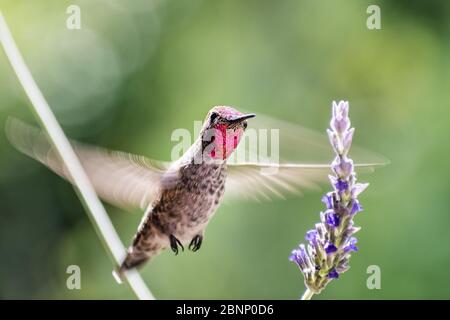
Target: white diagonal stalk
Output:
[(86, 192)]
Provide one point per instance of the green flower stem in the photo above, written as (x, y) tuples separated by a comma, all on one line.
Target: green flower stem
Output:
[(307, 295)]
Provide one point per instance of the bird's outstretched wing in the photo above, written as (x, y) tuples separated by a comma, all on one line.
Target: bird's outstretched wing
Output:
[(255, 181), (128, 180), (290, 159), (122, 179)]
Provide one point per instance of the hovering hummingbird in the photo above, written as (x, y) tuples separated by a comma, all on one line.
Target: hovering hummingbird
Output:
[(179, 198)]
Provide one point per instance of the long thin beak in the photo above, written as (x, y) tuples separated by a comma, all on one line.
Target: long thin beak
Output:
[(242, 118)]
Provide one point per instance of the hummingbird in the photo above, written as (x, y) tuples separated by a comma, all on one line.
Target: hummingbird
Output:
[(190, 190), (179, 198)]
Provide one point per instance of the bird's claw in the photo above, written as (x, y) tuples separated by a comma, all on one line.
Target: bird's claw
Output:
[(196, 243), (174, 242)]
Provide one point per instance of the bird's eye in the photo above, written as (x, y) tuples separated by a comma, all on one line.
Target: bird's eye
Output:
[(245, 125), (214, 116)]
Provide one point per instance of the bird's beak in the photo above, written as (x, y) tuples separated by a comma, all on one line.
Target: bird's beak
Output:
[(241, 118)]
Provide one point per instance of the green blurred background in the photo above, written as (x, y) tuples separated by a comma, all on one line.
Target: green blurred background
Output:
[(139, 69)]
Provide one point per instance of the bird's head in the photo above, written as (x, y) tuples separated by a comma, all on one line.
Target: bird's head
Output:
[(222, 131)]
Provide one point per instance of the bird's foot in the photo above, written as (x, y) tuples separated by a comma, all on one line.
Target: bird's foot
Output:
[(174, 242), (196, 243)]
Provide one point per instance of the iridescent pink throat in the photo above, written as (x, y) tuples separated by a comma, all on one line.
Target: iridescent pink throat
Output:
[(225, 141)]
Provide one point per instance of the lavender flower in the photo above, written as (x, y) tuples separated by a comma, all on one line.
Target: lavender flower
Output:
[(330, 243)]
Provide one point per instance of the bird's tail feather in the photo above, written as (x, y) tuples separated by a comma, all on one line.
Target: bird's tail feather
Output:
[(135, 258)]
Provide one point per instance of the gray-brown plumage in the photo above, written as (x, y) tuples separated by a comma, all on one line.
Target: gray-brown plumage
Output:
[(180, 198), (180, 214)]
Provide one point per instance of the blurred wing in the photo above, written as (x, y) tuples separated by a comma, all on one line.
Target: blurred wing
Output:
[(271, 163), (292, 143), (122, 179), (264, 182)]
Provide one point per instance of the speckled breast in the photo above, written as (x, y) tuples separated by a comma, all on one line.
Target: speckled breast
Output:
[(185, 209)]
